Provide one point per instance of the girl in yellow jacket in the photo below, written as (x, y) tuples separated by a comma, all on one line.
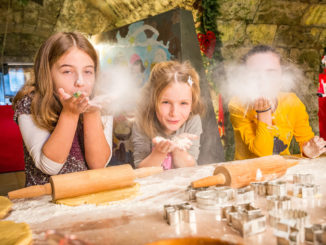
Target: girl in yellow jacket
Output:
[(266, 126)]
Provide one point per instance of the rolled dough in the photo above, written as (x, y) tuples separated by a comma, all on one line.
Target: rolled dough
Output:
[(102, 198), (5, 206), (15, 233)]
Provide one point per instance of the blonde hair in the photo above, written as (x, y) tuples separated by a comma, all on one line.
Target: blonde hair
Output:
[(162, 75), (46, 107)]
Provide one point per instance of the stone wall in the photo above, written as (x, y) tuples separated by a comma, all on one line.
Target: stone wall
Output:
[(297, 29), (27, 26)]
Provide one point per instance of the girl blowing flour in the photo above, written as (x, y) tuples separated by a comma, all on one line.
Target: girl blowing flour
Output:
[(267, 125), (62, 130), (168, 126)]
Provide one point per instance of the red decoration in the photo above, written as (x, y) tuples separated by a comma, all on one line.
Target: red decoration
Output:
[(322, 83), (11, 142), (323, 63), (207, 43), (220, 116), (322, 106)]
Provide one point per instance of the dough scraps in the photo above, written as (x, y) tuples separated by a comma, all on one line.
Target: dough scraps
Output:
[(15, 233), (5, 206), (101, 198)]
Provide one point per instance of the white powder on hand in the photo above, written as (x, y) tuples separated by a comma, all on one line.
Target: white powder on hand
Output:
[(182, 142)]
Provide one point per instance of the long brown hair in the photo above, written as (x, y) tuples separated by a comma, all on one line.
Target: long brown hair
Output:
[(162, 75), (45, 107)]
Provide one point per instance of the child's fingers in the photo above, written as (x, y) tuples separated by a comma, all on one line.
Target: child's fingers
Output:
[(320, 142), (82, 100), (190, 136), (83, 104), (172, 147), (157, 140), (261, 104), (63, 95), (321, 145), (183, 147), (94, 103), (187, 146), (165, 146), (93, 107), (323, 150)]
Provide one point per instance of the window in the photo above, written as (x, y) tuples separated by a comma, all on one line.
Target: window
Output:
[(12, 78)]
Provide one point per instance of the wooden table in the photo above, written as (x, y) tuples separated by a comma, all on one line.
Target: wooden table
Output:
[(140, 220)]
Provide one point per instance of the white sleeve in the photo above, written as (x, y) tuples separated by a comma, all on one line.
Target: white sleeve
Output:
[(108, 128), (34, 139)]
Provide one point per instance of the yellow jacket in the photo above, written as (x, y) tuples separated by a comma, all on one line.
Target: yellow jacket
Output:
[(254, 138)]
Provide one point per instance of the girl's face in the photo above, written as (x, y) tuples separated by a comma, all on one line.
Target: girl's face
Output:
[(265, 64), (174, 106), (74, 71)]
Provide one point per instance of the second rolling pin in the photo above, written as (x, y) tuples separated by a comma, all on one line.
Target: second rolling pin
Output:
[(242, 172)]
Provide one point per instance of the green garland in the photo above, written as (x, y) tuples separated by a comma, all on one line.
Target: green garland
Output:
[(208, 11), (206, 20)]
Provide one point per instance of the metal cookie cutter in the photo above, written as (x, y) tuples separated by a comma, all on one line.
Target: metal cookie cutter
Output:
[(191, 192), (306, 190), (211, 199), (249, 211), (230, 192), (276, 188), (245, 195), (232, 210), (297, 218), (316, 234), (174, 214), (246, 219), (286, 234), (303, 179), (260, 188), (229, 212), (278, 202)]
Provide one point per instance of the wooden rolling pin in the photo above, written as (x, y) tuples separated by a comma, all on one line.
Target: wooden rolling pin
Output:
[(86, 182), (242, 172)]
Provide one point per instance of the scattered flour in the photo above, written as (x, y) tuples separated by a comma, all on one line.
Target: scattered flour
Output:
[(166, 187)]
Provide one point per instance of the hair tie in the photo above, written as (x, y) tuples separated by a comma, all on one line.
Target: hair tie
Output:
[(190, 82), (258, 111), (175, 77)]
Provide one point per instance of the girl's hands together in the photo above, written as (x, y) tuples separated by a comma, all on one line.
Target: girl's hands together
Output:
[(162, 145), (314, 147), (184, 141), (262, 104), (77, 103), (181, 142), (264, 108)]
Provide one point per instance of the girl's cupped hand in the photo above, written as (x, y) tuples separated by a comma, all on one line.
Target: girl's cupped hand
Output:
[(77, 103)]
